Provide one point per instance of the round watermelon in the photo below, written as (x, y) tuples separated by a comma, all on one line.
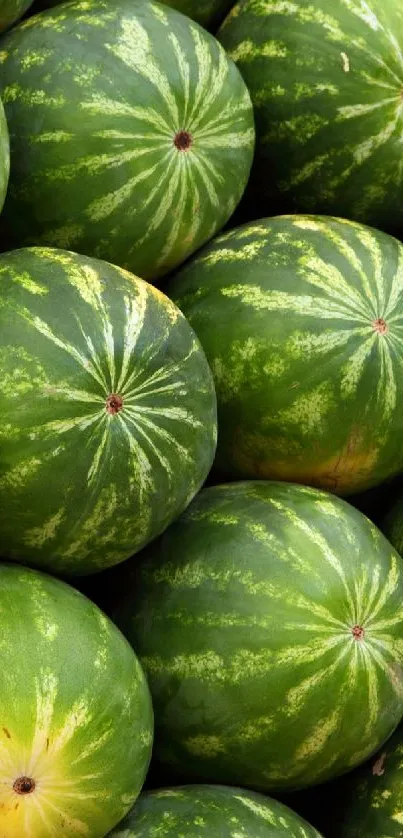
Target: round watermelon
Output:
[(326, 80), (301, 320), (269, 621), (108, 411), (76, 716), (213, 811), (11, 10), (131, 133), (373, 800)]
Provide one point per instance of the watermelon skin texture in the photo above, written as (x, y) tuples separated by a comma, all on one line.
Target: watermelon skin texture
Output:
[(326, 81), (85, 479), (12, 10), (209, 13), (372, 805), (201, 810), (268, 619), (96, 96), (76, 713), (300, 319)]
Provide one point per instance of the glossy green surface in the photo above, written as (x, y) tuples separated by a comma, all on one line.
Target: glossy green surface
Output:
[(326, 80), (76, 715), (131, 133), (210, 812), (301, 319), (269, 621), (109, 412)]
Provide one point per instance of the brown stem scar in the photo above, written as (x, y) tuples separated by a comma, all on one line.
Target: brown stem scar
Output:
[(183, 140), (114, 403), (379, 325), (358, 632), (24, 785)]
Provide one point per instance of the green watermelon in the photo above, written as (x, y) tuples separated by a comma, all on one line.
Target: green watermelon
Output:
[(76, 716), (4, 155), (373, 801), (108, 411), (208, 13), (326, 80), (131, 133), (210, 812), (269, 621), (301, 320), (11, 10)]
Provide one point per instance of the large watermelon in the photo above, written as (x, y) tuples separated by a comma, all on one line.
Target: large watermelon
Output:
[(131, 133), (269, 620), (210, 812), (301, 320), (11, 10), (108, 421), (326, 80), (76, 716)]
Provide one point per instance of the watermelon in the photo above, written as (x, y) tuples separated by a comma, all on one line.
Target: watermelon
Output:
[(4, 155), (108, 411), (76, 715), (326, 80), (301, 321), (215, 811), (372, 806), (208, 13), (11, 10), (131, 133), (269, 621)]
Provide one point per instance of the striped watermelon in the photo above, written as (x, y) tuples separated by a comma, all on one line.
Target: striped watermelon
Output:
[(131, 133), (4, 155), (207, 12), (210, 812), (326, 80), (108, 411), (373, 801), (76, 716), (269, 621), (301, 320)]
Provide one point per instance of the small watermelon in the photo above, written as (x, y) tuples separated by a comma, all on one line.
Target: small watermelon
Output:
[(76, 716), (108, 411), (210, 812), (131, 133), (301, 320), (269, 621), (326, 80)]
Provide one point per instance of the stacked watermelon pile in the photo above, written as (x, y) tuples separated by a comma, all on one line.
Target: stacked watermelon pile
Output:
[(201, 435)]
